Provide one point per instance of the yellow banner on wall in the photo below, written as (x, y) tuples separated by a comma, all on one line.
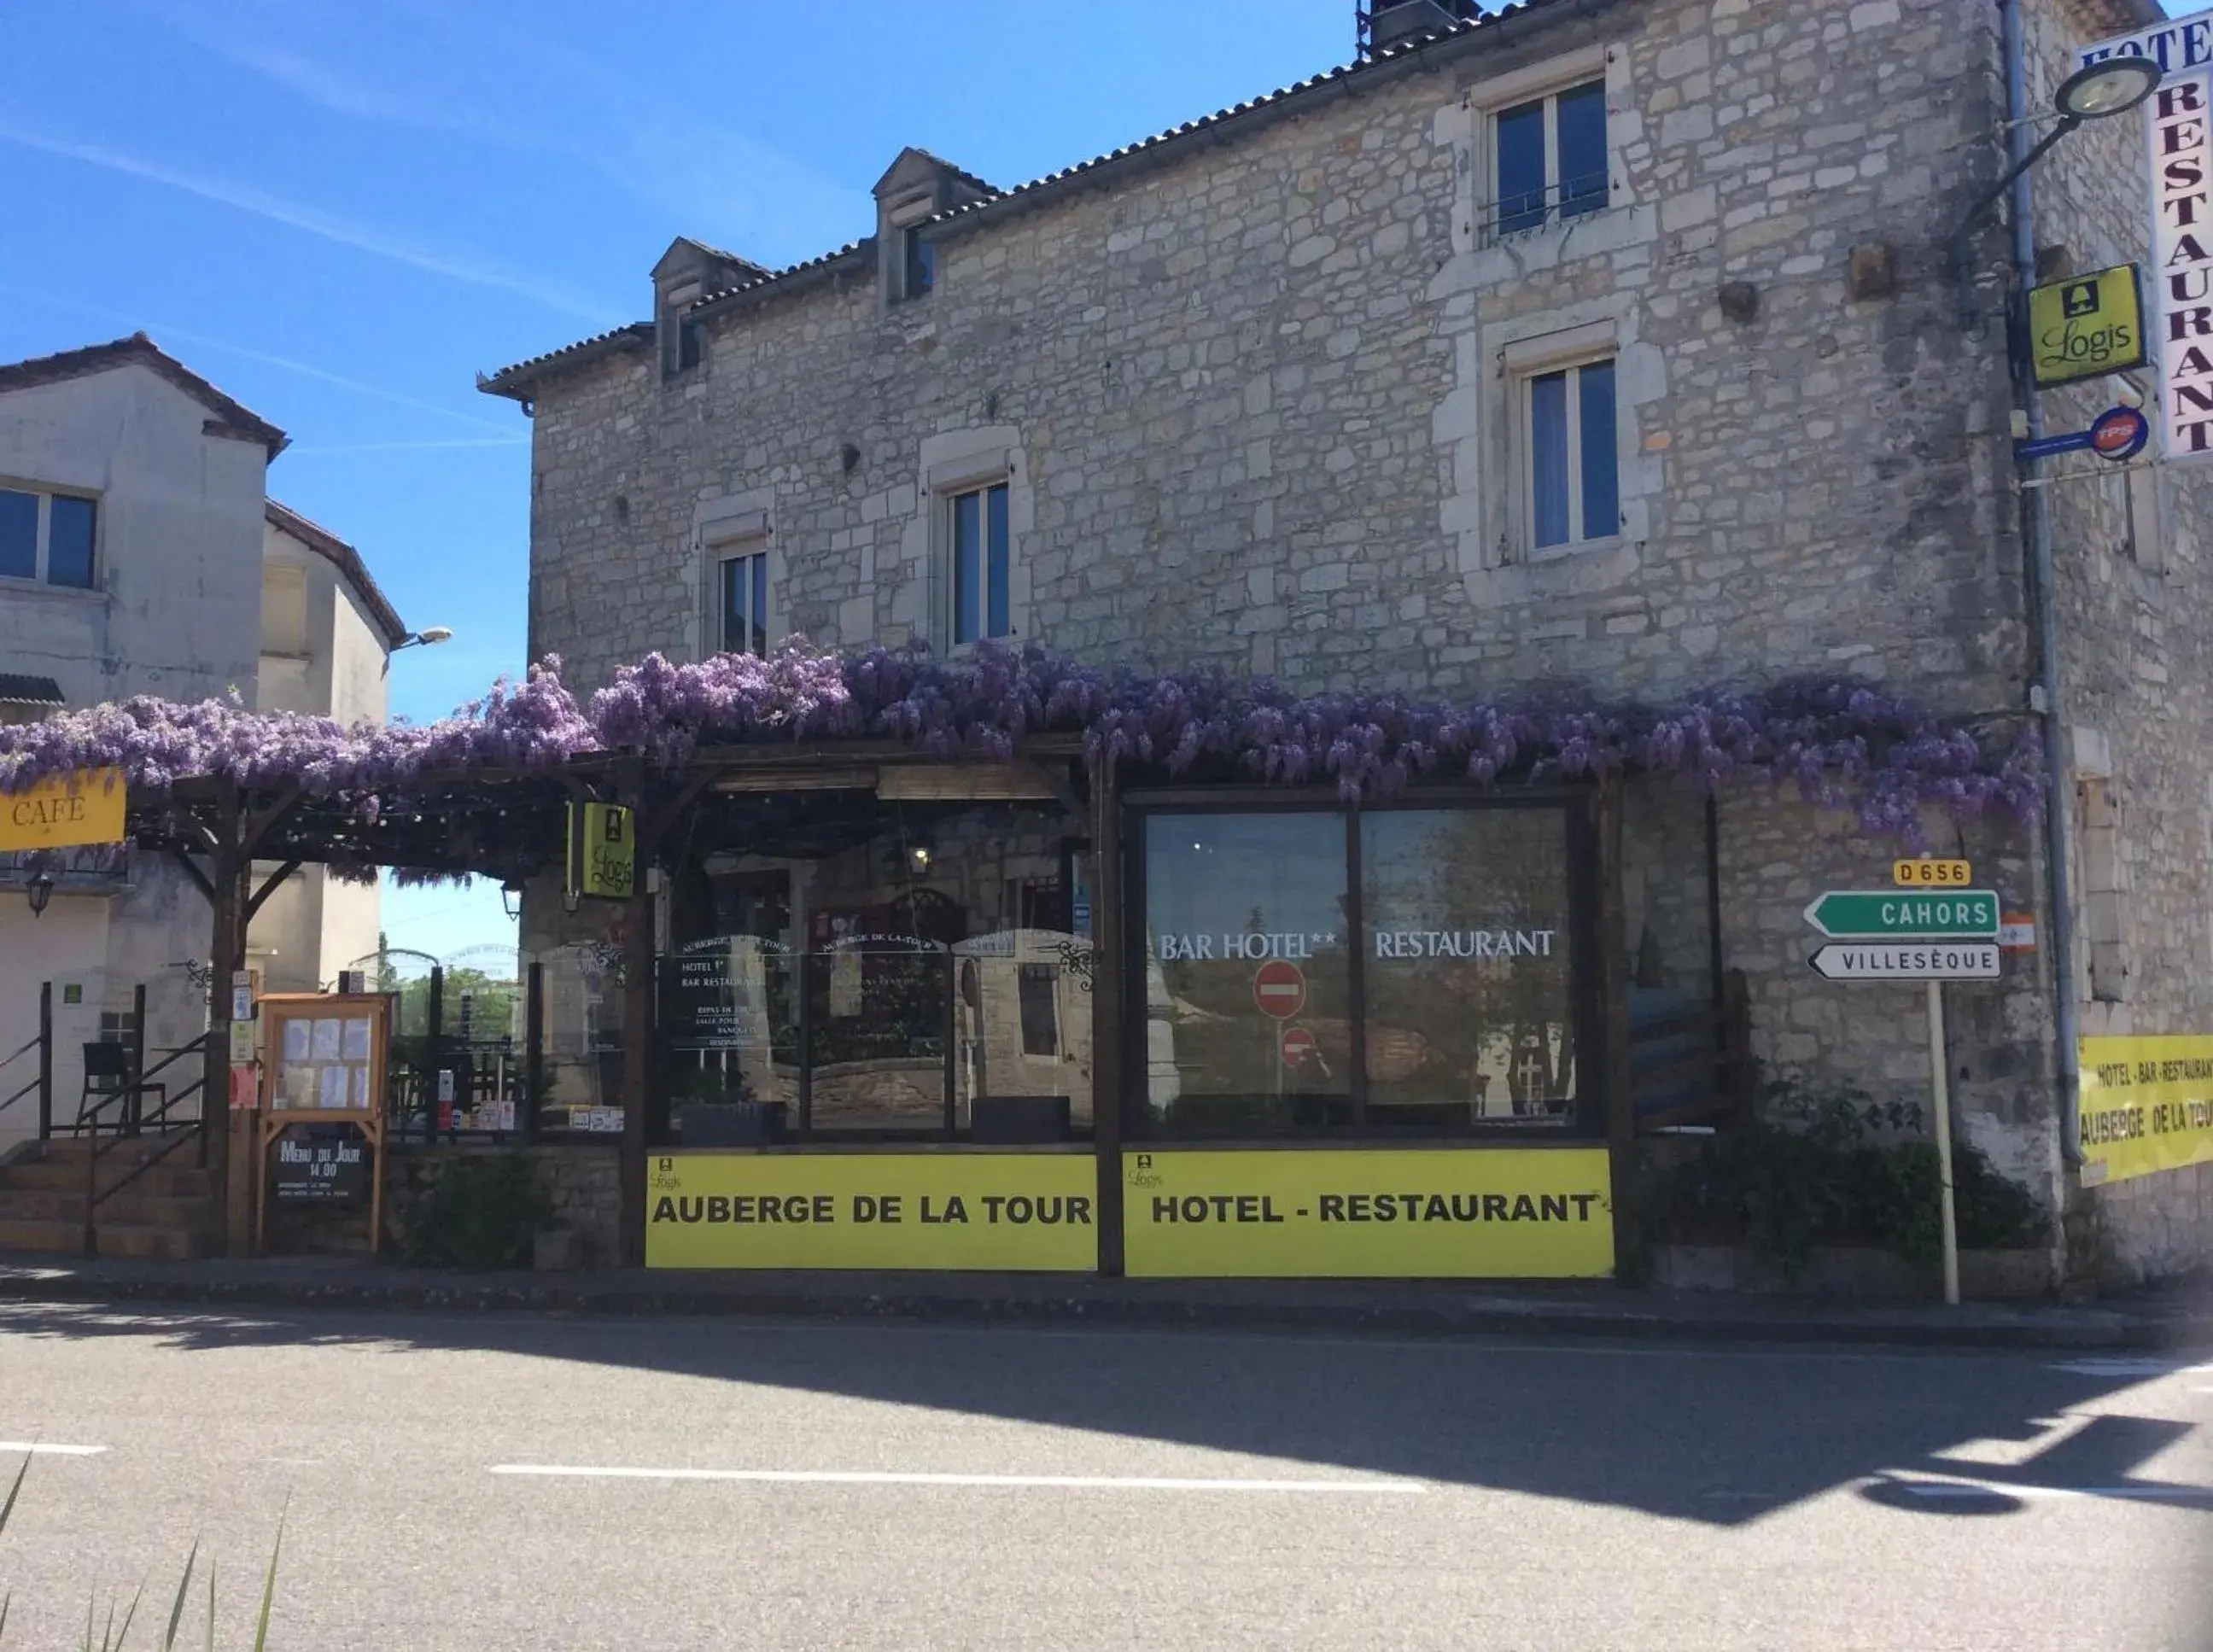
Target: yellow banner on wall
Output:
[(65, 812), (998, 1212), (1472, 1213), (2147, 1106)]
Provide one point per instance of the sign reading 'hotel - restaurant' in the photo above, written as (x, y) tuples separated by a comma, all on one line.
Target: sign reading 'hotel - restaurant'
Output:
[(2181, 157)]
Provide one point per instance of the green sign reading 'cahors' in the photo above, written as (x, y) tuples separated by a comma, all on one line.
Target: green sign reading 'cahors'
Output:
[(1874, 914)]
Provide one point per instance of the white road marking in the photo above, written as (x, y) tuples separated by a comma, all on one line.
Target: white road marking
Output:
[(1059, 1482), (2131, 1368), (44, 1449), (2186, 1495)]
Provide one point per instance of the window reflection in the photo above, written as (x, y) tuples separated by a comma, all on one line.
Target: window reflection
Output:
[(1470, 992), (1245, 943)]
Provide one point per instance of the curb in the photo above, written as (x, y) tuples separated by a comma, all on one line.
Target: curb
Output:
[(2108, 1333)]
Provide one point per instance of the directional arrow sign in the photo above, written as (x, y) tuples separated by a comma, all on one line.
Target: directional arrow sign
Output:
[(1911, 960), (1883, 914)]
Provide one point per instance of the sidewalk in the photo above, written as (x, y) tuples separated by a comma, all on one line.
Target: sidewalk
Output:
[(2174, 1320)]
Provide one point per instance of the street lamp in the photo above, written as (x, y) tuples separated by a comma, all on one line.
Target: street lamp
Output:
[(424, 638), (40, 890), (2111, 87)]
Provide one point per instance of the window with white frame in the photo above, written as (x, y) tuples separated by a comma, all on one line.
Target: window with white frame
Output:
[(741, 598), (1570, 467), (1549, 159), (980, 552), (47, 537)]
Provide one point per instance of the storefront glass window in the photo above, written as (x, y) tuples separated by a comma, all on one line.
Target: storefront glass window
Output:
[(1247, 983), (1469, 987)]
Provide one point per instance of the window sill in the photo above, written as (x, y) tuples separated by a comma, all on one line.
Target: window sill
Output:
[(1568, 553), (58, 593)]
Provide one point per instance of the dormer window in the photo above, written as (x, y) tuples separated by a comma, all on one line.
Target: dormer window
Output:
[(920, 263)]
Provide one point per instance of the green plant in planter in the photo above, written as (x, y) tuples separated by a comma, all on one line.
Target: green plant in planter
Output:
[(480, 1210)]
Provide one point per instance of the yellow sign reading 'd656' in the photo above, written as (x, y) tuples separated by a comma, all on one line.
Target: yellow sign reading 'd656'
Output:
[(2086, 326), (64, 813), (1449, 1213), (1931, 874)]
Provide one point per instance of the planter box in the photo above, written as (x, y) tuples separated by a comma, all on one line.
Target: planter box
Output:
[(731, 1123), (1852, 1270)]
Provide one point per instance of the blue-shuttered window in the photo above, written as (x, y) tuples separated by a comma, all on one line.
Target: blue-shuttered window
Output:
[(1574, 474), (981, 565), (1550, 159)]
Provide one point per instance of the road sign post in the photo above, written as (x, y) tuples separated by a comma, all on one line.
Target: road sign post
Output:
[(1907, 933)]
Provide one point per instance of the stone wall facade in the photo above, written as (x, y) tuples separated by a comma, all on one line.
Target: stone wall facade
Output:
[(1255, 394)]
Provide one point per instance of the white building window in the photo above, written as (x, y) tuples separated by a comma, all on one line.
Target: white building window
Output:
[(741, 599), (982, 557), (48, 537), (1571, 467), (1550, 159)]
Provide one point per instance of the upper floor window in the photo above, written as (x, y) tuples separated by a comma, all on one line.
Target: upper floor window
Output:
[(981, 564), (743, 609), (48, 537), (920, 266), (1551, 159), (1573, 477)]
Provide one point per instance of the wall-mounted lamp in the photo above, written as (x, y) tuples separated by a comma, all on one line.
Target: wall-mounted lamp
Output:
[(426, 637), (510, 896), (40, 890), (2111, 87)]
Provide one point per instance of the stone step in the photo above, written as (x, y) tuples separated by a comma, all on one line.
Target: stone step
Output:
[(28, 1235), (134, 1204), (147, 1242), (167, 1180)]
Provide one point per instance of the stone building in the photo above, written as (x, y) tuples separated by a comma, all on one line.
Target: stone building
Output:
[(1611, 343)]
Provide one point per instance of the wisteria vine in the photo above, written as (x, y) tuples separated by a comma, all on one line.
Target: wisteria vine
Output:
[(1839, 744)]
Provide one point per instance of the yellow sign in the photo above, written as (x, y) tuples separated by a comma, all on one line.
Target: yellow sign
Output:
[(2086, 326), (602, 852), (1931, 874), (1006, 1212), (86, 807), (1453, 1213), (2147, 1106)]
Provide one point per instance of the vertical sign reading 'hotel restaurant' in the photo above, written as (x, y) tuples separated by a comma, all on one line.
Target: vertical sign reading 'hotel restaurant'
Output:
[(2181, 145), (2182, 247)]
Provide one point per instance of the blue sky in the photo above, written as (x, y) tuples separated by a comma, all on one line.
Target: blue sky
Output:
[(341, 212)]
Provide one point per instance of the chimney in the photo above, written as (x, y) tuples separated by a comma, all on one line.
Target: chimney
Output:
[(1386, 23)]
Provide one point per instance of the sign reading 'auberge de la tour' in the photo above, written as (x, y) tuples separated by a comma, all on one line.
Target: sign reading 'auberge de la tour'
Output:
[(67, 812)]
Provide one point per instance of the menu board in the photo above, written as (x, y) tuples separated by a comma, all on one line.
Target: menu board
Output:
[(325, 1061)]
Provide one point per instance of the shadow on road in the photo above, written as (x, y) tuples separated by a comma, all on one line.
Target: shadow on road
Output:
[(1719, 1434)]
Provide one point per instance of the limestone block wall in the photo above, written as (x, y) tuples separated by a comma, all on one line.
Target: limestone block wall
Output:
[(1254, 407)]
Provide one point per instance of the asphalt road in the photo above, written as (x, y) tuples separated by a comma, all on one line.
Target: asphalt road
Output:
[(883, 1486)]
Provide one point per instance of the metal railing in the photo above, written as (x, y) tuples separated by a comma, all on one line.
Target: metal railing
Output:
[(164, 1121), (41, 1082), (1524, 209)]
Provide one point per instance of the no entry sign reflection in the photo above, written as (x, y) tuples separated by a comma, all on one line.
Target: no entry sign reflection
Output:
[(1280, 989)]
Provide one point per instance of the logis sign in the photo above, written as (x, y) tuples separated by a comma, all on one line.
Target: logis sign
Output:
[(2181, 159)]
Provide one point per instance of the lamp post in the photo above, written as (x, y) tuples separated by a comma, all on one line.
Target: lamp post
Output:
[(2103, 89)]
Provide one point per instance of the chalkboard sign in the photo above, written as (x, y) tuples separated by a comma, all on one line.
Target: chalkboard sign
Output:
[(332, 1170)]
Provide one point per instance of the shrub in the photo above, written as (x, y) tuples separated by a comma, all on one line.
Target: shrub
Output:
[(1809, 1174), (480, 1210)]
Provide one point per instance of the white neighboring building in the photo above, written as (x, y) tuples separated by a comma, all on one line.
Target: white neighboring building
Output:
[(138, 554), (326, 637)]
